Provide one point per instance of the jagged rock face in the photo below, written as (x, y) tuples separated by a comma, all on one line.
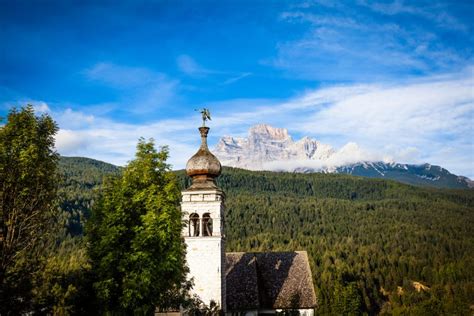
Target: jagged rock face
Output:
[(269, 148), (266, 144)]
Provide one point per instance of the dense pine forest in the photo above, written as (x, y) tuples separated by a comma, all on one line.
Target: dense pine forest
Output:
[(376, 246)]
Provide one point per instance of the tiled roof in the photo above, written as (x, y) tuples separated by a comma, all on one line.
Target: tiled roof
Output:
[(269, 280)]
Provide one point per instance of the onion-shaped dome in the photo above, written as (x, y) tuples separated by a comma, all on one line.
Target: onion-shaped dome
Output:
[(203, 167)]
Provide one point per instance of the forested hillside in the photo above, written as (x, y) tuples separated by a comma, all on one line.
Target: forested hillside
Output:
[(375, 246), (369, 240), (81, 178)]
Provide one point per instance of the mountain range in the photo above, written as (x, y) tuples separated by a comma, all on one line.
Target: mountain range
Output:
[(273, 149)]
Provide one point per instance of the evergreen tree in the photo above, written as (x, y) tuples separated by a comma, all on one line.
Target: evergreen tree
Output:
[(63, 285), (135, 239), (28, 186)]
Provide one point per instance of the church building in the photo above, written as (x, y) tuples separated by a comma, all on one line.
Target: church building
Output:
[(241, 283)]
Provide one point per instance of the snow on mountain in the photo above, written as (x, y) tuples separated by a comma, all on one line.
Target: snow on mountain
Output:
[(271, 148)]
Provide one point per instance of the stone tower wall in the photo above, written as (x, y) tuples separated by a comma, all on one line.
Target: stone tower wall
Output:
[(205, 255)]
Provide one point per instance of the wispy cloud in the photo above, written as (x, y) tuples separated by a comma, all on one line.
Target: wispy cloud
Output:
[(140, 90), (432, 11), (236, 78), (120, 76), (344, 44), (190, 67), (391, 8)]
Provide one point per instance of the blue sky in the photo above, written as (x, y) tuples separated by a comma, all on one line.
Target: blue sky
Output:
[(394, 77)]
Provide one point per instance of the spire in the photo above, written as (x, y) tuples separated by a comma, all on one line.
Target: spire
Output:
[(204, 131), (203, 167)]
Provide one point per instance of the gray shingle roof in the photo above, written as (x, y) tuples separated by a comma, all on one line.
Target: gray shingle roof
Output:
[(269, 280)]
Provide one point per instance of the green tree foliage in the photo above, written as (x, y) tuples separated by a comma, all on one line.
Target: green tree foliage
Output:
[(80, 187), (28, 186), (64, 284), (135, 236)]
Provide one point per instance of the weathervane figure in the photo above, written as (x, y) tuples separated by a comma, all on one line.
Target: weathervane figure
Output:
[(206, 115)]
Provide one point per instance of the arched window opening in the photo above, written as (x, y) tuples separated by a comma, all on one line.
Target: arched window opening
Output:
[(207, 224), (193, 225)]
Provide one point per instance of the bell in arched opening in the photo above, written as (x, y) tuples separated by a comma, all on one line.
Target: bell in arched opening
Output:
[(194, 225), (206, 225)]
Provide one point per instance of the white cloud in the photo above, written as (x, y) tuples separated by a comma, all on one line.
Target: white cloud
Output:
[(435, 11), (236, 78), (349, 44), (408, 154), (190, 67), (70, 143), (427, 120), (114, 142), (74, 119), (41, 107), (404, 112), (120, 76), (392, 8), (348, 154)]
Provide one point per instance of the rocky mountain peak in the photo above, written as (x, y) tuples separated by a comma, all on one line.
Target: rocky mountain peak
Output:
[(266, 144), (271, 148), (267, 131)]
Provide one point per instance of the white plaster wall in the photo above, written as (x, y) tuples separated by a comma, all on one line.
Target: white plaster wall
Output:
[(205, 255), (307, 312), (205, 265)]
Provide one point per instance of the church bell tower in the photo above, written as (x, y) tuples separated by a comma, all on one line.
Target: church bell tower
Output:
[(203, 212)]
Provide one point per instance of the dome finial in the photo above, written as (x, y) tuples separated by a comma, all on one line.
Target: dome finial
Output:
[(203, 167)]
